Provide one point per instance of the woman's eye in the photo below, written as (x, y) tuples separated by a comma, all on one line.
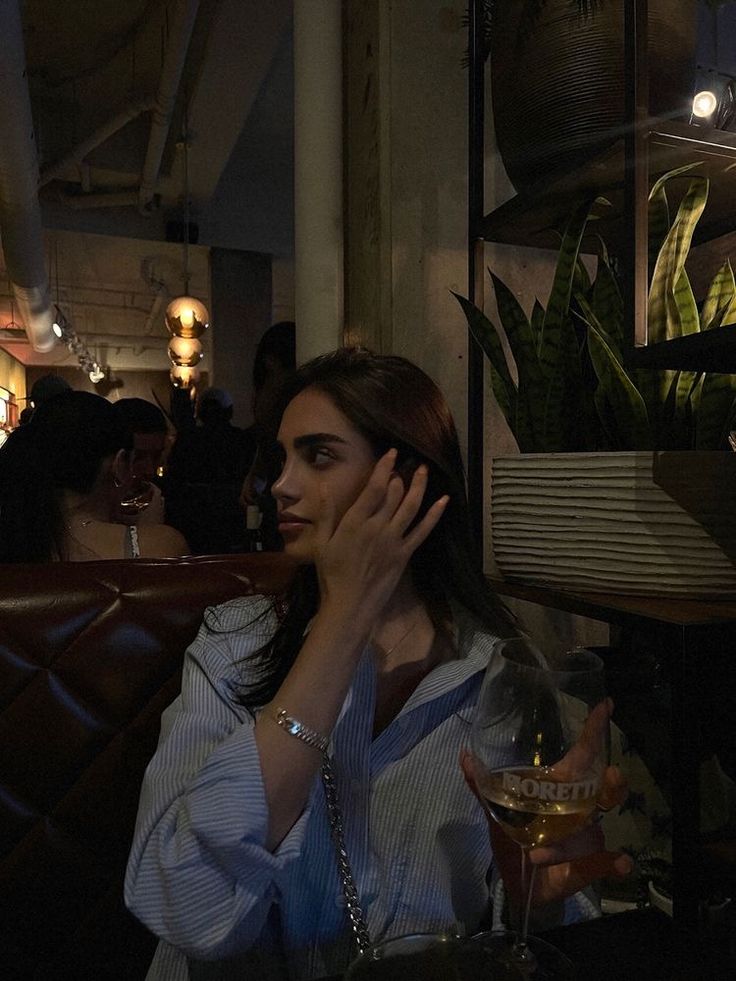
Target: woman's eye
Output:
[(320, 456)]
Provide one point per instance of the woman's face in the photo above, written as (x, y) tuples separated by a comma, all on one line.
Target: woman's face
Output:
[(320, 448)]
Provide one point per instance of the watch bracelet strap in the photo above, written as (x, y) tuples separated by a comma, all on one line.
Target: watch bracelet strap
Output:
[(300, 731), (349, 889)]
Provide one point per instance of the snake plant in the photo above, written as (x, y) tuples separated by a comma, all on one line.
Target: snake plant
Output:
[(565, 386)]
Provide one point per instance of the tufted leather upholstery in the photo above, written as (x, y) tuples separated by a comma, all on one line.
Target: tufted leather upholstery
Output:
[(90, 655)]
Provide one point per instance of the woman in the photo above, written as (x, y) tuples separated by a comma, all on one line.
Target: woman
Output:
[(59, 490), (380, 650)]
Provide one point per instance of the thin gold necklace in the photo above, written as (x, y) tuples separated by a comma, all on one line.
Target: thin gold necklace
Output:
[(399, 642)]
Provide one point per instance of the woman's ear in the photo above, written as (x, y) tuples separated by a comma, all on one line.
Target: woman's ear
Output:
[(120, 468)]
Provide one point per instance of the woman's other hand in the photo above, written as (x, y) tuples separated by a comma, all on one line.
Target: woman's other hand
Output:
[(568, 866)]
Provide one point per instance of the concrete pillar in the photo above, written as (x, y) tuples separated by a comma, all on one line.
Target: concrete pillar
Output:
[(367, 146), (241, 312), (318, 178)]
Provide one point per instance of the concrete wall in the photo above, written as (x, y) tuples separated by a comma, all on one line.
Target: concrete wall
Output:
[(425, 106)]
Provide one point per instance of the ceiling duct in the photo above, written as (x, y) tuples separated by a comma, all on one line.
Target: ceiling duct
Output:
[(20, 212), (182, 24)]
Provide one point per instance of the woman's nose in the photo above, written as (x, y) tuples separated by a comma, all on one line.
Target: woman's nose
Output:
[(284, 488)]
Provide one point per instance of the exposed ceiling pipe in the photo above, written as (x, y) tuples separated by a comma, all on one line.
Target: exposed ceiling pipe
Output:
[(20, 211), (73, 159), (91, 340), (182, 24)]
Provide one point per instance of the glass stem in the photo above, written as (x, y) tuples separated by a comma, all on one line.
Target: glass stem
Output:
[(524, 932)]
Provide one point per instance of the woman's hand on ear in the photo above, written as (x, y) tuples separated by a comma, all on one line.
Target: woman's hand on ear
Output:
[(361, 557)]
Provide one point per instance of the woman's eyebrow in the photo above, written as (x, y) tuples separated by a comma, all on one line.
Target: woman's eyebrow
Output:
[(311, 439)]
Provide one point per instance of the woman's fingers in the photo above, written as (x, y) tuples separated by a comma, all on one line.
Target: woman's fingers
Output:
[(614, 789), (589, 839), (423, 529), (385, 504), (590, 744), (565, 879), (327, 515), (563, 868), (373, 496)]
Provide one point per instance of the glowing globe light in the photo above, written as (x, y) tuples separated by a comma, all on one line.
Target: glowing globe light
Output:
[(186, 316), (183, 377), (185, 351), (704, 104)]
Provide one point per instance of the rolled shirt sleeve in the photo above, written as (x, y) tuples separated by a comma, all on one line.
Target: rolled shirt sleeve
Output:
[(199, 875)]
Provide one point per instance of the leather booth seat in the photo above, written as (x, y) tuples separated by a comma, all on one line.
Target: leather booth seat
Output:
[(90, 655)]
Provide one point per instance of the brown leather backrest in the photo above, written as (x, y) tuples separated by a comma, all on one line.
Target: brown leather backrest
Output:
[(90, 655)]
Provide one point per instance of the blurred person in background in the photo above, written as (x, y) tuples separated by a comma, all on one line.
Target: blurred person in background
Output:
[(145, 429), (59, 492), (204, 475), (273, 365), (44, 388)]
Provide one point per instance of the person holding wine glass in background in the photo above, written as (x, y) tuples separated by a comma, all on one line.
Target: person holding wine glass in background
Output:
[(59, 494), (143, 428), (307, 800)]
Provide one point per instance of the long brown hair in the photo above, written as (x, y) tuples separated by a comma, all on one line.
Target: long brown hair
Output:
[(392, 403)]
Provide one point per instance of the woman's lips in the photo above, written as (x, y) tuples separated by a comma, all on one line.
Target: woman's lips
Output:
[(291, 524)]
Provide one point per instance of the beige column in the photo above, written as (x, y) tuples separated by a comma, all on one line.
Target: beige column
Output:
[(368, 246), (318, 178)]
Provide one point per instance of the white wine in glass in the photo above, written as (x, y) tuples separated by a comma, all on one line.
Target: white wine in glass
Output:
[(539, 745)]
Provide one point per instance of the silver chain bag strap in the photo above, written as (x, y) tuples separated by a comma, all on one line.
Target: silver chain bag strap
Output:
[(349, 889)]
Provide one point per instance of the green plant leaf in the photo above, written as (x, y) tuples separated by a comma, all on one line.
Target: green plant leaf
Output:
[(558, 348), (665, 309), (676, 172), (719, 297), (687, 308), (536, 322), (608, 306), (531, 381), (581, 277), (658, 222), (712, 420), (673, 429), (502, 384), (625, 403), (550, 352)]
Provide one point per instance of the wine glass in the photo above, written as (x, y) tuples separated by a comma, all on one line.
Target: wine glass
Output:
[(539, 743), (136, 497)]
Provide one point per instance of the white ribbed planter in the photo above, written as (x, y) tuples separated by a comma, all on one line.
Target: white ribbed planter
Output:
[(642, 523)]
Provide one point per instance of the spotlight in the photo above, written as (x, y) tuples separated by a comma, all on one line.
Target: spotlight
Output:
[(714, 101), (57, 329), (704, 104), (96, 374)]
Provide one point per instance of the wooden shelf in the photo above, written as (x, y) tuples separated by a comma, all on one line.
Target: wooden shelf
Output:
[(536, 216), (711, 350), (613, 608)]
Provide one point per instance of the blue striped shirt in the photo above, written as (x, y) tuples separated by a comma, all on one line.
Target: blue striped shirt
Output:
[(199, 875)]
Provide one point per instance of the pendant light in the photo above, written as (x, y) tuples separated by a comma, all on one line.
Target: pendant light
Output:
[(186, 317)]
